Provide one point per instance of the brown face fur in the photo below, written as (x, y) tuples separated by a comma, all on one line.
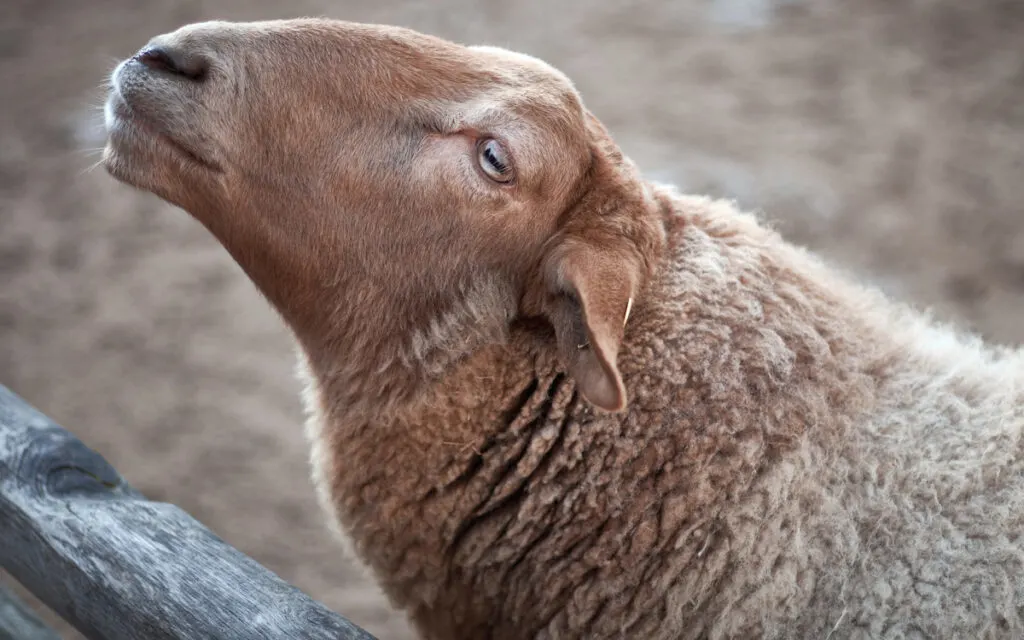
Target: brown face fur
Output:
[(339, 164)]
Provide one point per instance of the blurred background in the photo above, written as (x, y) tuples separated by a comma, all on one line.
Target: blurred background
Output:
[(888, 136)]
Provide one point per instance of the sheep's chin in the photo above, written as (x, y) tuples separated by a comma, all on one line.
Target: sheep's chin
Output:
[(136, 152)]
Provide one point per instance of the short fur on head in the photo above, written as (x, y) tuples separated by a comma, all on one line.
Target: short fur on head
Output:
[(564, 401), (317, 166)]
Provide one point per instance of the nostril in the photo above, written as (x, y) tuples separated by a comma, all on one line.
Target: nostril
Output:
[(158, 59), (191, 66)]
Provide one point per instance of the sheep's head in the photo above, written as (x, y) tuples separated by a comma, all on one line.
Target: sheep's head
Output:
[(364, 176)]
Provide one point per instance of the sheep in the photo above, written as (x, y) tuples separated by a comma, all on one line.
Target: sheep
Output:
[(549, 398)]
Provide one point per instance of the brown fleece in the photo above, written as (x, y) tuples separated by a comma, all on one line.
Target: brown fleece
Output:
[(763, 448)]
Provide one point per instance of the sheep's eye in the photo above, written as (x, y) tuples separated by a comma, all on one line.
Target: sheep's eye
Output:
[(494, 161)]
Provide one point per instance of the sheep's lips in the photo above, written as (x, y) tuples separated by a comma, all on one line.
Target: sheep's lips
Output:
[(139, 138)]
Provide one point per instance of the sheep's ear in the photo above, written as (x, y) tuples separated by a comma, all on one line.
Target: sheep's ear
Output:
[(592, 293)]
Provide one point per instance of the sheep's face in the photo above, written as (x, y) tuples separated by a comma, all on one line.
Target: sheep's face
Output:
[(395, 142), (349, 167)]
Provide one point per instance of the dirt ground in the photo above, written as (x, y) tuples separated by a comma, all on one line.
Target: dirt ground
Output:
[(890, 138)]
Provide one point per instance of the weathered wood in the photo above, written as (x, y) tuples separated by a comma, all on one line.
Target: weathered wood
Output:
[(118, 566), (18, 622)]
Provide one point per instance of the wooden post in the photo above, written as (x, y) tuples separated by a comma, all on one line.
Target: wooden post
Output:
[(118, 566)]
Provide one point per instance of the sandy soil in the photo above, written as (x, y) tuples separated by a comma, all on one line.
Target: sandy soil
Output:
[(890, 139)]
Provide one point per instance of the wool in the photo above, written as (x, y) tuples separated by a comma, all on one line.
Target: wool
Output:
[(764, 448), (800, 458)]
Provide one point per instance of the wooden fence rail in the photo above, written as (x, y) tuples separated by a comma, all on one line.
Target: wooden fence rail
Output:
[(118, 566), (18, 622)]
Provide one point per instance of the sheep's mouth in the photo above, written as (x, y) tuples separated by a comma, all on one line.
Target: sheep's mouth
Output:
[(127, 128)]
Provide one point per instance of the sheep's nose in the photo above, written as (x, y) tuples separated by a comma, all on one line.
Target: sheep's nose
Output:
[(170, 60)]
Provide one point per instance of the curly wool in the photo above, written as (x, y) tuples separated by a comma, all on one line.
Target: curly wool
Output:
[(800, 458)]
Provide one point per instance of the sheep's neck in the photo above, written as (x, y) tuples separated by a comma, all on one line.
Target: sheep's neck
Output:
[(447, 499), (448, 461), (374, 362)]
